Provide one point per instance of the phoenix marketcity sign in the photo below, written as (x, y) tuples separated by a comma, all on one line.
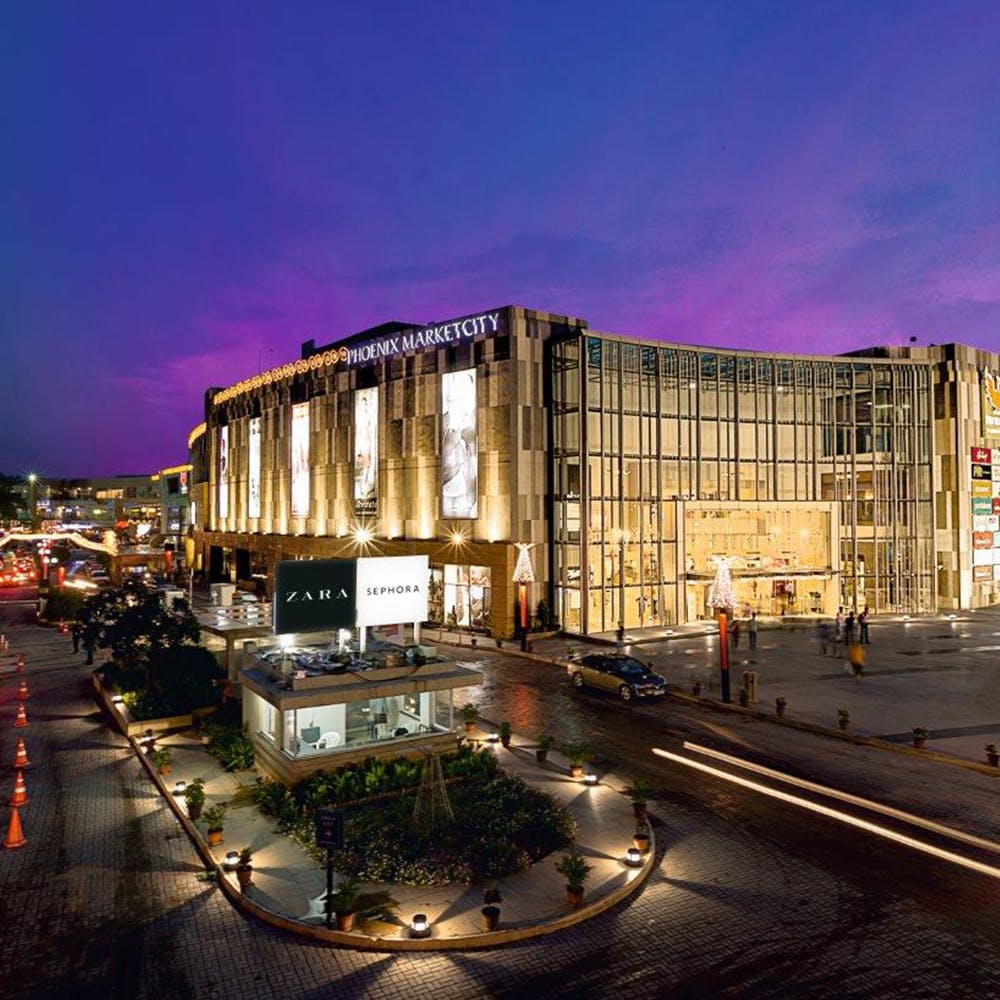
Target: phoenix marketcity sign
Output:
[(445, 335)]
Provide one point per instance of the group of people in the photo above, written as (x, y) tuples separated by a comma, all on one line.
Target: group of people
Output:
[(736, 630), (849, 632)]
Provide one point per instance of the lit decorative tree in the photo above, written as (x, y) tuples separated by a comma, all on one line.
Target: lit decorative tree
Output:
[(720, 594)]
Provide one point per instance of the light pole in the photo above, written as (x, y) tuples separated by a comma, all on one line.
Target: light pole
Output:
[(524, 574), (32, 480), (722, 600)]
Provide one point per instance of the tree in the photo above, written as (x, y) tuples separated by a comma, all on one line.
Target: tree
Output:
[(8, 498), (721, 596)]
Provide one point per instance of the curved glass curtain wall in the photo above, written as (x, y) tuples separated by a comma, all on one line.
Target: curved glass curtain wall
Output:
[(642, 435)]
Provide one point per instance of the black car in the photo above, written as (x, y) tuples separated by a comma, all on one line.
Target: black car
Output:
[(613, 672)]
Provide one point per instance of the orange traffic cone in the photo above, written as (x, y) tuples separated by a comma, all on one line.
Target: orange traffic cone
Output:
[(21, 755), (22, 691), (22, 720), (20, 796), (15, 835), (20, 663)]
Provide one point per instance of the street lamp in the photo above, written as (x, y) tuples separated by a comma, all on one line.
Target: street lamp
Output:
[(524, 574), (722, 600), (32, 479)]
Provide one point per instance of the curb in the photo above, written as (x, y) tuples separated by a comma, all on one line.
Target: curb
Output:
[(350, 939)]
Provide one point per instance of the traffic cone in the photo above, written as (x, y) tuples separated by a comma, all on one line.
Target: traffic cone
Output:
[(20, 663), (22, 720), (21, 755), (22, 691), (15, 835), (20, 796)]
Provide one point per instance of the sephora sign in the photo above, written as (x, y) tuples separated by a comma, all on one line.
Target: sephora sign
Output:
[(392, 590)]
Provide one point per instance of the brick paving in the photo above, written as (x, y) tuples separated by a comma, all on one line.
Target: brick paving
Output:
[(746, 900)]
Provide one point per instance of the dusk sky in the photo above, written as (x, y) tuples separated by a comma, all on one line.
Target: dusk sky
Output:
[(189, 191)]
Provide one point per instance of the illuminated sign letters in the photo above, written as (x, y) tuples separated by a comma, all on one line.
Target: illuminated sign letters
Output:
[(392, 589), (314, 594), (444, 335)]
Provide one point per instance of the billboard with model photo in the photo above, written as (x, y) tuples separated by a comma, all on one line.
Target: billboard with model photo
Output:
[(459, 445), (223, 473), (366, 452), (253, 469), (300, 460)]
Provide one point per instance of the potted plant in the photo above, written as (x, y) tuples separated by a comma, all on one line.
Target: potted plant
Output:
[(696, 689), (490, 911), (162, 759), (576, 870), (244, 868), (344, 903), (638, 792), (498, 639), (744, 697), (545, 744), (469, 715), (919, 737), (780, 704), (505, 733), (640, 839), (194, 796), (992, 755), (214, 817), (843, 717), (576, 754)]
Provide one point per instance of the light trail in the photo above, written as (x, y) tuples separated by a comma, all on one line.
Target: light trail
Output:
[(861, 824), (927, 824)]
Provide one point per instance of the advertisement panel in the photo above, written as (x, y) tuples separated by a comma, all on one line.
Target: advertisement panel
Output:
[(991, 403), (985, 522), (314, 594), (985, 505), (982, 539), (392, 590), (982, 471), (980, 573), (983, 456), (982, 489), (300, 460), (253, 468), (982, 557), (366, 452), (459, 445), (223, 473)]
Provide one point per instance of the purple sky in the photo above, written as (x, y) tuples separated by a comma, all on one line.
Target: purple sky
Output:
[(183, 196)]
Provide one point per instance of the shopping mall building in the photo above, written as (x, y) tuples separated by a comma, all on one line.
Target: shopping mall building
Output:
[(630, 466)]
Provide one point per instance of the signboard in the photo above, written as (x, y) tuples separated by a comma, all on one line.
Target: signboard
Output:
[(253, 468), (223, 473), (982, 557), (392, 590), (985, 505), (980, 573), (330, 828), (366, 452), (995, 509), (982, 539), (981, 488), (300, 460), (985, 522), (983, 456), (312, 595), (459, 445), (982, 471), (991, 403)]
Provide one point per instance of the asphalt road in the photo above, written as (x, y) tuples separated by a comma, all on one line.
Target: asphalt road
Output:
[(751, 896)]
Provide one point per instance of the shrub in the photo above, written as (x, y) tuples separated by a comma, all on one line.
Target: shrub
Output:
[(214, 816), (231, 746), (575, 869), (64, 605)]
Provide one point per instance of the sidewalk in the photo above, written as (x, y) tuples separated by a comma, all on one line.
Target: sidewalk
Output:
[(288, 884)]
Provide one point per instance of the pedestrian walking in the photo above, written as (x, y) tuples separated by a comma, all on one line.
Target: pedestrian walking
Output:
[(823, 634), (856, 658), (849, 629), (76, 630), (752, 628), (734, 634), (863, 623)]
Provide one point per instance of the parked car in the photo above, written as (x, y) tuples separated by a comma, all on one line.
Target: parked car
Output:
[(625, 675)]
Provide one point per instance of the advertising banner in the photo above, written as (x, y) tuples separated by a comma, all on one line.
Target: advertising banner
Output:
[(982, 539), (982, 488), (996, 539), (985, 505), (995, 508), (985, 522), (253, 468), (459, 445), (996, 571), (982, 471), (991, 403), (366, 452), (392, 590), (982, 557), (314, 594), (300, 460), (982, 456), (980, 573), (223, 473)]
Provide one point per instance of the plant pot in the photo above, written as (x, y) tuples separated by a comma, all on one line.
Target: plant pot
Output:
[(345, 921), (499, 643), (640, 841), (640, 810), (244, 875), (165, 769), (505, 741), (491, 917), (194, 813), (574, 896), (696, 689), (993, 758), (470, 728), (842, 723), (541, 756), (919, 741), (576, 770), (780, 710), (214, 838)]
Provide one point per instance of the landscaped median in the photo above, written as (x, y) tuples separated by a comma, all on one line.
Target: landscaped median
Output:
[(520, 798)]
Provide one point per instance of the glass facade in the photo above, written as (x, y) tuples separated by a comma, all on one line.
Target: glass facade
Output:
[(816, 470)]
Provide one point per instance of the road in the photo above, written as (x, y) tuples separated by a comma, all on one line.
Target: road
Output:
[(750, 898)]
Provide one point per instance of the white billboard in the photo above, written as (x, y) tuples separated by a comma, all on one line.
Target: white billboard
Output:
[(223, 473), (459, 445), (253, 468), (300, 460), (366, 452), (392, 590)]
